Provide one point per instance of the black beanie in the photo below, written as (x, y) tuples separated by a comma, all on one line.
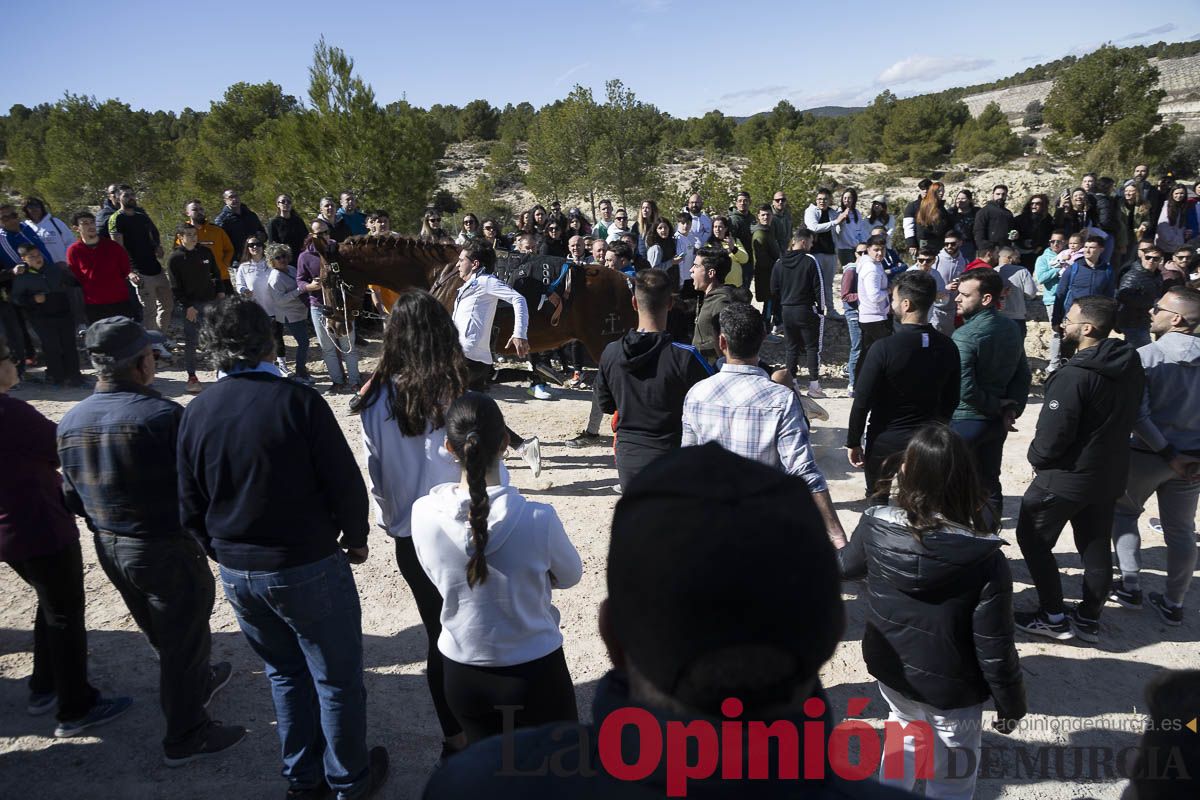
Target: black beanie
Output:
[(712, 551)]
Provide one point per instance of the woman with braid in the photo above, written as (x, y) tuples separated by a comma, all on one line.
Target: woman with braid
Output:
[(494, 557)]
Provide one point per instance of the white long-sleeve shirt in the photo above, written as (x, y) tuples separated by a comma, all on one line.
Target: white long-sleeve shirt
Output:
[(402, 469), (850, 233), (475, 311), (508, 619), (253, 277), (872, 291), (55, 234)]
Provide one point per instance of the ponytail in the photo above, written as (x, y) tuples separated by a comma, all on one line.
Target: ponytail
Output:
[(475, 429), (475, 462)]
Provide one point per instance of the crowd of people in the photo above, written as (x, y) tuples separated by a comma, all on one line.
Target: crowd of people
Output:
[(712, 448)]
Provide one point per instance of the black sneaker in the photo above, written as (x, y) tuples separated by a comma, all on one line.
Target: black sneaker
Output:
[(1127, 598), (218, 676), (1036, 622), (377, 762), (1086, 629), (1172, 615), (214, 738), (105, 710), (584, 439), (319, 792)]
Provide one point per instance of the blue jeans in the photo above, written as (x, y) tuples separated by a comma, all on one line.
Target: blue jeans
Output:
[(299, 331), (855, 339), (330, 350), (306, 624), (985, 438)]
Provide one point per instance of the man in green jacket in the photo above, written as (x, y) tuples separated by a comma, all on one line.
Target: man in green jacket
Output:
[(765, 252), (781, 221), (994, 377), (708, 276)]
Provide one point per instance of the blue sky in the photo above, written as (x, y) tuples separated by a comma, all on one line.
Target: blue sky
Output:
[(686, 58)]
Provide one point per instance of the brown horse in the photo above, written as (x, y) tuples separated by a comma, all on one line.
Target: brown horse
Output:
[(598, 312)]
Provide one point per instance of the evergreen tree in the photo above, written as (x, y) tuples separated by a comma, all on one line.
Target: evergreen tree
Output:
[(987, 134)]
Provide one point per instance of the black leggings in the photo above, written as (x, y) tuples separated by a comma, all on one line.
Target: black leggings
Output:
[(429, 606), (802, 331), (478, 375), (534, 693)]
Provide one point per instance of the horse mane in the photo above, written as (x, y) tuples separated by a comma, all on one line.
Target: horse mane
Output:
[(367, 245)]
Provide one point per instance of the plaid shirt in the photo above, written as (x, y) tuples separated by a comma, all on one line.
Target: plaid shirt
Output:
[(117, 450), (747, 413)]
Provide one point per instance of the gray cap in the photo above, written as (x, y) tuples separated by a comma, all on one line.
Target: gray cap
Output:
[(120, 338)]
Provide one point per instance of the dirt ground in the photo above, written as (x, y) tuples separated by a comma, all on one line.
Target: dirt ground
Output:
[(1088, 698)]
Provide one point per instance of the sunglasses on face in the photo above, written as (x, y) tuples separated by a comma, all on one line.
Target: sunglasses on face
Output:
[(1152, 258), (253, 244), (468, 223), (860, 252), (923, 259), (622, 219), (283, 202), (434, 220)]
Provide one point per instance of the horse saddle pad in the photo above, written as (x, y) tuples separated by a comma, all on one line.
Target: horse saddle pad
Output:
[(528, 274)]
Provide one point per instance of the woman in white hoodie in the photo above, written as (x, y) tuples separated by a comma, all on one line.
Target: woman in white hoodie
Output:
[(403, 413), (495, 557)]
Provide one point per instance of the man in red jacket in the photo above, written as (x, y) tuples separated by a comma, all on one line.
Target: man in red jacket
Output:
[(102, 268)]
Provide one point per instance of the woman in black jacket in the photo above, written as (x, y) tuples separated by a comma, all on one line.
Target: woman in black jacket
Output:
[(939, 636)]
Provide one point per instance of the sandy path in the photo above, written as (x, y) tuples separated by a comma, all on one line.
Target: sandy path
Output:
[(1068, 685)]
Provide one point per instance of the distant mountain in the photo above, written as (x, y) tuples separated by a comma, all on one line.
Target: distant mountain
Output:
[(820, 111)]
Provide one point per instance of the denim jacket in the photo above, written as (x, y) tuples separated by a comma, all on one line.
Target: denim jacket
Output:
[(117, 450)]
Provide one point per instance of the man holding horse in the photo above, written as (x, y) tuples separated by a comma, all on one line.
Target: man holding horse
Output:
[(474, 312)]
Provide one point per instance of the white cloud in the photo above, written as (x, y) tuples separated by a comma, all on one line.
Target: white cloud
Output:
[(1167, 28), (924, 68)]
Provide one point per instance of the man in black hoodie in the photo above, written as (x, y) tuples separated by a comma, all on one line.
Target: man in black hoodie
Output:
[(644, 377), (1081, 453), (798, 290)]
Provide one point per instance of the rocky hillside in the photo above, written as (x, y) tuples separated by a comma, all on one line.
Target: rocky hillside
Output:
[(1178, 77)]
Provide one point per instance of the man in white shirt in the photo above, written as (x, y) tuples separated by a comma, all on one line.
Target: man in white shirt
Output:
[(744, 411), (701, 222), (619, 226), (474, 313), (822, 220), (874, 306), (55, 234)]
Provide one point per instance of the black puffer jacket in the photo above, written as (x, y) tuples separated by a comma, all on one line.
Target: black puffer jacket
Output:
[(992, 225), (940, 629)]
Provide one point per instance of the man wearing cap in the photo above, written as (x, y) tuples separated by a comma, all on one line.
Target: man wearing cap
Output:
[(684, 652), (117, 449), (747, 413)]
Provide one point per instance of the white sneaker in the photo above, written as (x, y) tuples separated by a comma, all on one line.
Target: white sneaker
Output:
[(539, 392), (814, 390), (530, 452), (281, 365)]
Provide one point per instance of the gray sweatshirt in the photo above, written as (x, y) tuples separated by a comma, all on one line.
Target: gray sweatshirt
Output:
[(1169, 417)]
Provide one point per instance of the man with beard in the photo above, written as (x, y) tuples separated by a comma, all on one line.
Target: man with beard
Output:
[(741, 222), (212, 237), (1080, 452), (133, 230), (994, 377), (238, 221)]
